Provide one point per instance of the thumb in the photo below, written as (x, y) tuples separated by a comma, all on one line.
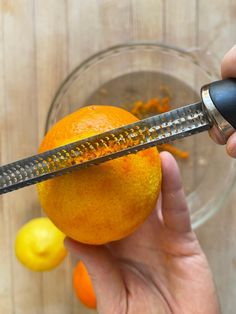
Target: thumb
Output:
[(174, 206), (228, 65), (104, 272)]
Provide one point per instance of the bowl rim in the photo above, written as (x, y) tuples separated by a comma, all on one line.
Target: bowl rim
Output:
[(190, 53)]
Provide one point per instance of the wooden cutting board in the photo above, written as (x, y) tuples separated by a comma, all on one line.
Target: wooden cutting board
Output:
[(40, 43)]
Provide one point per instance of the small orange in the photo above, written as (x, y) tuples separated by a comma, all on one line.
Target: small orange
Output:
[(83, 286), (102, 203)]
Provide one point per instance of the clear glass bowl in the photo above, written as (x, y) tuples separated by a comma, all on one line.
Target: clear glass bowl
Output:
[(121, 75)]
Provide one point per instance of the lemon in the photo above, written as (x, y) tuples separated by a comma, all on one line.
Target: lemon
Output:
[(39, 245)]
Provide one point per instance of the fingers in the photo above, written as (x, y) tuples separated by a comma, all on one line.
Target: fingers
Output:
[(231, 145), (103, 271), (228, 66), (174, 206)]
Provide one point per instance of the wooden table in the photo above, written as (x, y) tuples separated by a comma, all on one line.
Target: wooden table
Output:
[(40, 43)]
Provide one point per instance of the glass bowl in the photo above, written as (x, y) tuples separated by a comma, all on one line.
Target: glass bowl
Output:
[(123, 74)]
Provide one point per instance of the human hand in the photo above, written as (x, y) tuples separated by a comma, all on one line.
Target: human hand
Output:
[(228, 69), (160, 268)]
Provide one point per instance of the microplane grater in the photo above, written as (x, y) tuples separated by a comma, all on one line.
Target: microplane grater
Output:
[(216, 113)]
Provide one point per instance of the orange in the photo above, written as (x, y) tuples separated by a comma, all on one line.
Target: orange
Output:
[(83, 286), (106, 202)]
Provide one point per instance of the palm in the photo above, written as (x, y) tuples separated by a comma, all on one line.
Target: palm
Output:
[(158, 269), (161, 275)]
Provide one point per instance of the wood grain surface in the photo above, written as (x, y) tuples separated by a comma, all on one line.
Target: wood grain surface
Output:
[(40, 43)]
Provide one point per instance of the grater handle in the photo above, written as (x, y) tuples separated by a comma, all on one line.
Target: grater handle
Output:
[(223, 95), (219, 99)]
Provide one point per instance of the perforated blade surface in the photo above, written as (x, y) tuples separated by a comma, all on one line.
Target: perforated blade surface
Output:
[(118, 142)]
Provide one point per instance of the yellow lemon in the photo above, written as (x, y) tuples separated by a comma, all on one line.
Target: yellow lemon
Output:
[(39, 245)]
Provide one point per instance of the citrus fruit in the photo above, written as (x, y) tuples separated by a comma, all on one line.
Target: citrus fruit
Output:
[(39, 245), (83, 286), (102, 203)]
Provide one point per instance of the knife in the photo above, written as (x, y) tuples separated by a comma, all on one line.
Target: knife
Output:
[(216, 112)]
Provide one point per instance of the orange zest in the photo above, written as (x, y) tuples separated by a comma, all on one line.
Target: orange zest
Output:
[(156, 106), (153, 105), (173, 150)]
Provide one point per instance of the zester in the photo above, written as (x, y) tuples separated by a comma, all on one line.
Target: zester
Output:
[(216, 112)]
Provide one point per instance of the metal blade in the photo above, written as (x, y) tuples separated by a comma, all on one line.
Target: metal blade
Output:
[(118, 142)]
